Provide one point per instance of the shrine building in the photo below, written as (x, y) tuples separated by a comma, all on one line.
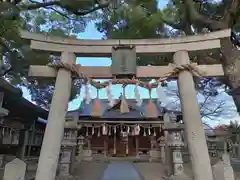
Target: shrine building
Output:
[(114, 133)]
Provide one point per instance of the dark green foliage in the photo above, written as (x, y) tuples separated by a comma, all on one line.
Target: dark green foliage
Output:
[(132, 19), (57, 18)]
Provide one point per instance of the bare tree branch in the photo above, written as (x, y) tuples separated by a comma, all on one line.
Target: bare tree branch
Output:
[(36, 5), (208, 109), (93, 9), (204, 103), (231, 12), (216, 112), (17, 8)]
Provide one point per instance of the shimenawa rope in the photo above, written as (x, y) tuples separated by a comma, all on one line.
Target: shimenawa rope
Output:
[(74, 68)]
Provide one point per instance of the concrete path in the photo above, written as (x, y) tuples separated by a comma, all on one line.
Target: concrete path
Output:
[(90, 170), (151, 170), (121, 171)]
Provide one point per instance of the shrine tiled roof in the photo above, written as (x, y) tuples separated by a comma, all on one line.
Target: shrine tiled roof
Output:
[(138, 112), (209, 131), (17, 105)]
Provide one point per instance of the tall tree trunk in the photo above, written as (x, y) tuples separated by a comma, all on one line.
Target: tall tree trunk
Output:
[(231, 66), (231, 56), (238, 143)]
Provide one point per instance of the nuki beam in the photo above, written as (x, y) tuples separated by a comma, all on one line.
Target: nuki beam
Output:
[(142, 71), (103, 48)]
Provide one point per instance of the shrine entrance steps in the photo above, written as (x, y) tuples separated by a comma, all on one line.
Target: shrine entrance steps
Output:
[(131, 159)]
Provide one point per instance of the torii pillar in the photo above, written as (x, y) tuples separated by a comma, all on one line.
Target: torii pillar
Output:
[(193, 125), (53, 136)]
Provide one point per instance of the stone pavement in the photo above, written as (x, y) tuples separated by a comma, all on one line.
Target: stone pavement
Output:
[(120, 171), (90, 170), (150, 171)]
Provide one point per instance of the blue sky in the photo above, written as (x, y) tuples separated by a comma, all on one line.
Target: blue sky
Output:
[(92, 33)]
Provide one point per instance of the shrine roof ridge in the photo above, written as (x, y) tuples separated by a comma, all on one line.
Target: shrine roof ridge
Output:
[(137, 112)]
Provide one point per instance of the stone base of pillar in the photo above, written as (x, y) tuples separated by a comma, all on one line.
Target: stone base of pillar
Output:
[(64, 169), (65, 161), (88, 158), (87, 155), (137, 156), (66, 178), (178, 177), (155, 155), (105, 154), (79, 158), (162, 150)]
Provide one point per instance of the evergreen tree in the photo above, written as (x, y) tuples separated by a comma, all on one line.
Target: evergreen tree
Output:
[(144, 19), (125, 19), (57, 18)]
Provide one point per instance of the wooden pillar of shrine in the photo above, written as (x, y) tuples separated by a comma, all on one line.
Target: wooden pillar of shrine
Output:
[(105, 147), (50, 150), (24, 135), (89, 144), (127, 147), (137, 145), (193, 125), (32, 137), (225, 148), (114, 144)]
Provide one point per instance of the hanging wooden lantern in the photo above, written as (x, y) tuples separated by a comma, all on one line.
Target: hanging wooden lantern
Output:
[(124, 61)]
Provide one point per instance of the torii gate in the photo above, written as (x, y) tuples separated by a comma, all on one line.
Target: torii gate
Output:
[(179, 47)]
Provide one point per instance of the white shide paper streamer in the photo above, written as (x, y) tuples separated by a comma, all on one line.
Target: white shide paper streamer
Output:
[(109, 95), (137, 95), (161, 95), (87, 93)]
